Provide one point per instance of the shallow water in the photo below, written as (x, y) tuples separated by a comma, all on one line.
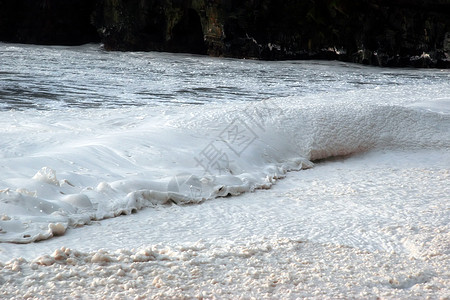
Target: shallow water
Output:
[(89, 135), (176, 176), (43, 77)]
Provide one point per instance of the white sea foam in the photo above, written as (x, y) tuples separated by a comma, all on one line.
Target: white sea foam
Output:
[(260, 268), (73, 167)]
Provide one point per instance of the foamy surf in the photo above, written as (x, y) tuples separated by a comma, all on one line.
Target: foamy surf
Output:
[(107, 163)]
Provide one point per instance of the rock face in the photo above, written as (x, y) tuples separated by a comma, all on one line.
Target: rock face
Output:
[(50, 22), (377, 32), (174, 26)]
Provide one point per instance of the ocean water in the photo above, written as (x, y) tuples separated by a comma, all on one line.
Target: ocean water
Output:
[(48, 78), (88, 135), (155, 175)]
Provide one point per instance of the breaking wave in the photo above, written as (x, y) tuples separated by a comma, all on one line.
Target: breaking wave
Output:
[(186, 155)]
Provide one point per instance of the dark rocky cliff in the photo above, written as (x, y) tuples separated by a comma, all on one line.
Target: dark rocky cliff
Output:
[(377, 32), (49, 22)]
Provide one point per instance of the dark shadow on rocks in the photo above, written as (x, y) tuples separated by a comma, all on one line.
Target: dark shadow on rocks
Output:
[(187, 34)]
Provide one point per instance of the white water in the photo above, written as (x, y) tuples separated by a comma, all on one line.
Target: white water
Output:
[(81, 142)]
